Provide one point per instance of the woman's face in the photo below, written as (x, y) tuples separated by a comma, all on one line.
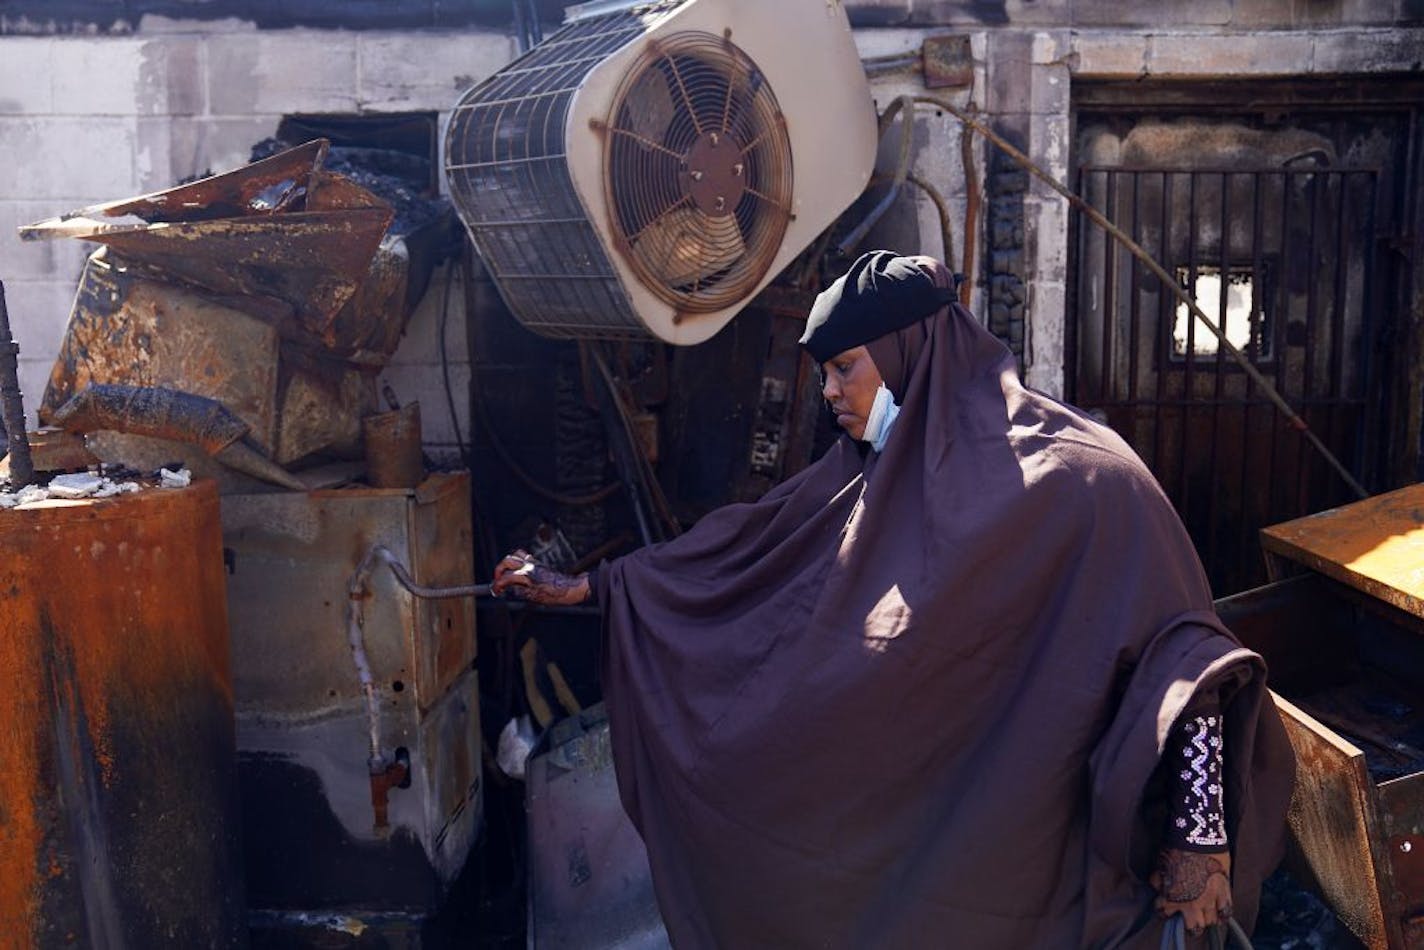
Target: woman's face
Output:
[(851, 382)]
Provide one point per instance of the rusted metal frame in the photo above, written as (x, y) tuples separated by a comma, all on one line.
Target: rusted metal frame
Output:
[(1189, 354), (1223, 292), (1253, 353), (1134, 331), (1302, 469), (904, 104), (1366, 448), (972, 201), (1278, 509), (12, 405), (1071, 331), (1163, 345), (1106, 382), (1033, 169)]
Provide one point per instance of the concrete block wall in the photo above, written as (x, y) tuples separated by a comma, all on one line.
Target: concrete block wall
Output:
[(89, 119)]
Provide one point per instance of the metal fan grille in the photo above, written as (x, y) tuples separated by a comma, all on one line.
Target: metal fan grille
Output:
[(697, 171), (508, 176)]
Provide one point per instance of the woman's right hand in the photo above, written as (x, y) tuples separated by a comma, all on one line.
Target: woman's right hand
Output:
[(519, 576)]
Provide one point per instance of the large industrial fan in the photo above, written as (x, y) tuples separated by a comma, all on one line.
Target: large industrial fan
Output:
[(650, 167)]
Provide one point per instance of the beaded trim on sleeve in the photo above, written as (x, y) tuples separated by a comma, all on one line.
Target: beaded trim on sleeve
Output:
[(1199, 818)]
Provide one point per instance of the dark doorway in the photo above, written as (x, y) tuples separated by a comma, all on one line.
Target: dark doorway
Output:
[(1277, 210)]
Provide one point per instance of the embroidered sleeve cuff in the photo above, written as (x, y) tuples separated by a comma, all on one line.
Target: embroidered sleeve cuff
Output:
[(1197, 819)]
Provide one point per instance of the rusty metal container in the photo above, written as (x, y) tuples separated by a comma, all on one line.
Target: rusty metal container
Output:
[(118, 796), (320, 865), (393, 452), (1341, 626)]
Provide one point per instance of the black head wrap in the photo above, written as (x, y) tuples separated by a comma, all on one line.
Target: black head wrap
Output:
[(881, 293)]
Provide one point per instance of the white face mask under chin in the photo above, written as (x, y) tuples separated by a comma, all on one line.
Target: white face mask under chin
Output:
[(882, 417)]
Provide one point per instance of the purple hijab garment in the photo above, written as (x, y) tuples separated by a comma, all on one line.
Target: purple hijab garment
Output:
[(915, 698)]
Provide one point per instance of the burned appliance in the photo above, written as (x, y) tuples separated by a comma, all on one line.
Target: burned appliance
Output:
[(1341, 627), (650, 167), (358, 748)]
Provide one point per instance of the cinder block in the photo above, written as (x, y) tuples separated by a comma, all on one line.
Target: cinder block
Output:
[(1046, 322), (1110, 54), (65, 158), (1256, 54), (1266, 14), (1010, 72), (94, 75), (37, 260), (1046, 223), (1347, 13), (424, 383), (1050, 89), (1049, 143), (25, 87), (34, 376), (1371, 51), (421, 344), (178, 64), (170, 151), (1108, 13), (410, 71), (39, 312), (268, 72), (1051, 46)]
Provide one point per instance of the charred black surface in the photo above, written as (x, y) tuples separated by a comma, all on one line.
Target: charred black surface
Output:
[(299, 856)]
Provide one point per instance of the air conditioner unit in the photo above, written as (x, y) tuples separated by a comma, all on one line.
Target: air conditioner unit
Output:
[(647, 169)]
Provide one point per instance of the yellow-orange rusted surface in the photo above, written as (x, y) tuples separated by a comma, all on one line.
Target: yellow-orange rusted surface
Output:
[(1375, 545), (114, 652)]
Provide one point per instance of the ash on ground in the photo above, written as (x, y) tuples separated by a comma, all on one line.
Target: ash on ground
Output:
[(1293, 918)]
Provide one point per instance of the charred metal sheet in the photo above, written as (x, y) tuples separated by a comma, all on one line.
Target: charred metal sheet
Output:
[(321, 406), (1375, 545), (274, 184), (119, 797), (312, 260), (589, 881), (300, 706), (279, 229), (152, 411), (947, 61), (128, 328)]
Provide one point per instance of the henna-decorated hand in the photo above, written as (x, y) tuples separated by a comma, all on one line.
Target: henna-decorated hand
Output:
[(518, 575), (1194, 884)]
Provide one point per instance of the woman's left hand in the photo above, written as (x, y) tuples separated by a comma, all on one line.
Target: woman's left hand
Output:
[(1196, 885)]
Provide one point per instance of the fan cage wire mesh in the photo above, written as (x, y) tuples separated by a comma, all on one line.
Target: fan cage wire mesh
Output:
[(687, 87), (507, 172)]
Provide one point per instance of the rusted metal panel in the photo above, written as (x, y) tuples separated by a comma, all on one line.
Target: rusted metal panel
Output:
[(443, 546), (280, 230), (302, 724), (1331, 821), (1401, 806), (126, 328), (948, 61), (1375, 545), (119, 800)]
